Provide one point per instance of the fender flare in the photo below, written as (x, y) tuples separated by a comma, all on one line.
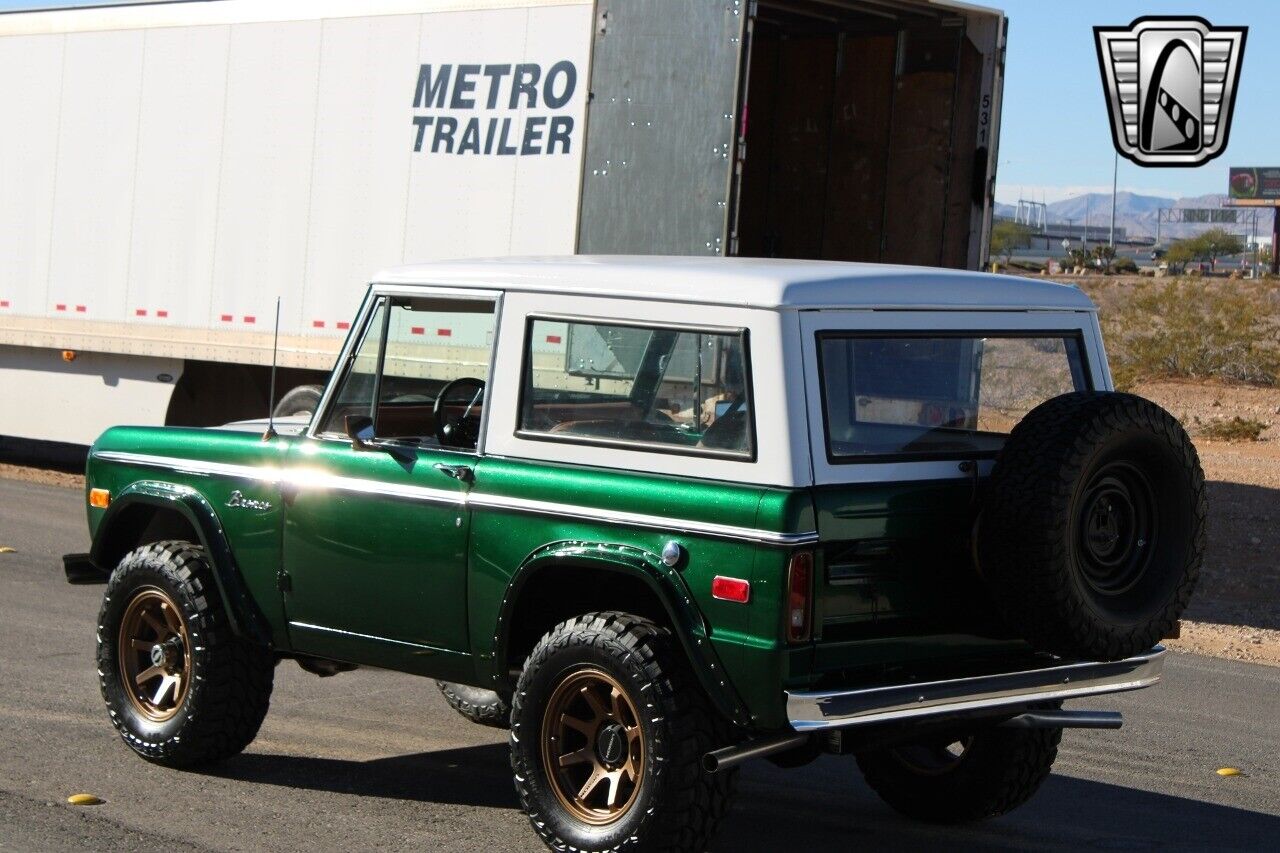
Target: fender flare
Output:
[(663, 580), (245, 618)]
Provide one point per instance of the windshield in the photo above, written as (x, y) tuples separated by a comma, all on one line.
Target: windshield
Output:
[(937, 395)]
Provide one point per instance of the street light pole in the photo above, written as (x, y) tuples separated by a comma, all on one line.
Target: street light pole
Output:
[(1115, 173), (1088, 211)]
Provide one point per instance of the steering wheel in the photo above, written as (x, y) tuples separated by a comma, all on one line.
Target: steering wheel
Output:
[(463, 431)]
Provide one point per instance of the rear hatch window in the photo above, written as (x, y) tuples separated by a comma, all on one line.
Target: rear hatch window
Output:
[(937, 396)]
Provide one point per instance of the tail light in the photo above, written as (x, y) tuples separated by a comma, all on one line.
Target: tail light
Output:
[(799, 595)]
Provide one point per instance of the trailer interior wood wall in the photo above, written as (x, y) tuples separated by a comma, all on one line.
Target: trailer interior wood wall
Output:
[(860, 121)]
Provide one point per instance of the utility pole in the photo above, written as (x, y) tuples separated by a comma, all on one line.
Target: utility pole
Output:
[(1115, 174), (1088, 210)]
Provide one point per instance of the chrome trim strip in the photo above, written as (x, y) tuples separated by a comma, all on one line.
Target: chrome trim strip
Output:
[(360, 636), (810, 711), (315, 479), (635, 519), (192, 466)]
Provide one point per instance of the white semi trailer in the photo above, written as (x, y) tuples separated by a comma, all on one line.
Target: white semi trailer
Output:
[(168, 170)]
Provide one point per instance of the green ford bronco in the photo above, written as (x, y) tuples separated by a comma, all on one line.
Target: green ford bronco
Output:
[(660, 516)]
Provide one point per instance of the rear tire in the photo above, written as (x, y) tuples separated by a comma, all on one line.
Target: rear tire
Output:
[(1094, 526), (650, 734), (182, 690), (484, 707), (997, 771)]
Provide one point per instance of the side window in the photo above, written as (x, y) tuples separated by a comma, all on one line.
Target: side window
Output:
[(889, 395), (672, 390), (413, 350)]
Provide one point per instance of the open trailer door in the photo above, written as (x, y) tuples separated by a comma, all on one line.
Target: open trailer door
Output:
[(661, 127), (869, 131)]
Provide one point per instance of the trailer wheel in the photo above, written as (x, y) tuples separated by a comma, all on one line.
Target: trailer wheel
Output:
[(1094, 525), (303, 400), (957, 780)]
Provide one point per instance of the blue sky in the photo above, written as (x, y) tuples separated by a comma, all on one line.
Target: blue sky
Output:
[(1055, 140)]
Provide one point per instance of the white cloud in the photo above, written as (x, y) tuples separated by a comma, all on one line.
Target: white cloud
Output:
[(1047, 193)]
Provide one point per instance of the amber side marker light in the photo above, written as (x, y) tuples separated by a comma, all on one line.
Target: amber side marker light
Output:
[(99, 498), (799, 593)]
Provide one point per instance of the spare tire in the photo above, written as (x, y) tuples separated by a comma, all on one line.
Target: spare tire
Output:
[(1093, 526), (477, 704)]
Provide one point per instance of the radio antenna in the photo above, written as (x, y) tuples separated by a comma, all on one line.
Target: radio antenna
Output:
[(271, 394)]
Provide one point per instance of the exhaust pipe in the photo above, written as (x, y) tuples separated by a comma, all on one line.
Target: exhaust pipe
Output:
[(1066, 720), (729, 757)]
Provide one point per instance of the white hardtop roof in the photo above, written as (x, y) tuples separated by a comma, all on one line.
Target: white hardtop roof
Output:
[(748, 282)]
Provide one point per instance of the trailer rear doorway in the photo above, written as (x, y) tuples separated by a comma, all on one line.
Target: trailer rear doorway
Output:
[(861, 136)]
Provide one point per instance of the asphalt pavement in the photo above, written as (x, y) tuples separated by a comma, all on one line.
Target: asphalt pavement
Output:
[(376, 760)]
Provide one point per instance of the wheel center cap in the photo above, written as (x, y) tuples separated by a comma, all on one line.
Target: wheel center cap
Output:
[(611, 744), (164, 654)]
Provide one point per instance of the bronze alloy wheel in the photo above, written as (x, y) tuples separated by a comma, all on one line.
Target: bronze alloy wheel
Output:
[(592, 748), (155, 654)]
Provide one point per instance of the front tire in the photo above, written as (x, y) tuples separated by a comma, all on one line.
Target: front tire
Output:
[(608, 729), (181, 689), (974, 778)]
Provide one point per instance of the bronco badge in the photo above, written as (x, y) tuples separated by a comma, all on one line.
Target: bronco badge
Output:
[(237, 499), (1170, 86)]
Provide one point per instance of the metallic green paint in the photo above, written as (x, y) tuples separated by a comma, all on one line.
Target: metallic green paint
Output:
[(377, 564), (144, 499), (253, 536), (424, 577)]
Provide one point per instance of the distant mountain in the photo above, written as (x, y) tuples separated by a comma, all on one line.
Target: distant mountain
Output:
[(1137, 214)]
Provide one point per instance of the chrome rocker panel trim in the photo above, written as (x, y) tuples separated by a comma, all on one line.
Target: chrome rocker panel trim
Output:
[(811, 711)]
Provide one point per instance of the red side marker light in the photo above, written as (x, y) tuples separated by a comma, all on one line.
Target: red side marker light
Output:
[(731, 589)]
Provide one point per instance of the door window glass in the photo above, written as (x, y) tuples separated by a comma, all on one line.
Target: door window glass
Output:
[(413, 350)]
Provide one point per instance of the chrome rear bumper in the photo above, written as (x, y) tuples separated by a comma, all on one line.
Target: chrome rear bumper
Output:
[(811, 711)]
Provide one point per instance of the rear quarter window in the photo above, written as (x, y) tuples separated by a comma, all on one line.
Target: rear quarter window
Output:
[(937, 396)]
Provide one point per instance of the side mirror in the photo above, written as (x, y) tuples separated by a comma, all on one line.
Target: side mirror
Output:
[(360, 431)]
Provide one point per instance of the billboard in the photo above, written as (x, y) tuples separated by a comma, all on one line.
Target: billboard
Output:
[(1254, 186)]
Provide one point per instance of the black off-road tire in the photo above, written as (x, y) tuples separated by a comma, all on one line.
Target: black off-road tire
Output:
[(478, 705), (678, 805), (230, 681), (998, 771), (1093, 529), (302, 400)]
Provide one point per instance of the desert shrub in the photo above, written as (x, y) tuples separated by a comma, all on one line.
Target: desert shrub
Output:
[(1124, 265), (1235, 429), (1193, 328)]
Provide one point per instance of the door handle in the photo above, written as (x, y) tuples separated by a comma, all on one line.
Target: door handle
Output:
[(457, 472)]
